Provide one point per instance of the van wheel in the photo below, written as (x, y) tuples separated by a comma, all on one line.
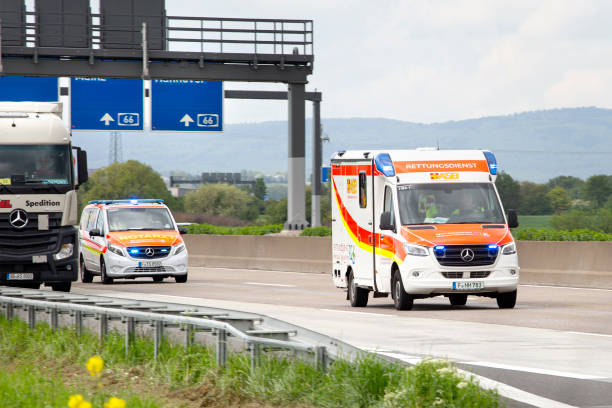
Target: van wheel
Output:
[(401, 299), (506, 300), (105, 279), (158, 278), (86, 276), (181, 278), (458, 300), (61, 286), (357, 296)]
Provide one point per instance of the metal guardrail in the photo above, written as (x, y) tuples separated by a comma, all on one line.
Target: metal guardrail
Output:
[(131, 314)]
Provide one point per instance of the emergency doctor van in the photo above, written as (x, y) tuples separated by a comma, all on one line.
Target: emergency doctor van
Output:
[(421, 223)]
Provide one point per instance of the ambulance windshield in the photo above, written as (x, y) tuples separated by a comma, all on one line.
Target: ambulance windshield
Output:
[(449, 203), (139, 219), (35, 164)]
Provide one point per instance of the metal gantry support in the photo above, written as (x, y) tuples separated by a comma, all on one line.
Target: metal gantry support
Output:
[(317, 152)]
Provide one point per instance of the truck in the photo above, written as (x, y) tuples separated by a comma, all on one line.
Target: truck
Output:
[(421, 223), (38, 196)]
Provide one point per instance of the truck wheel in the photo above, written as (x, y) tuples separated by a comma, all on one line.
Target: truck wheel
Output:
[(401, 299), (61, 286), (458, 300), (105, 279), (357, 296), (181, 278), (86, 276), (506, 300)]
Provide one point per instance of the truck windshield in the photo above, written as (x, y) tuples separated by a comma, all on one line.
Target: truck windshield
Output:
[(40, 164), (449, 203), (139, 219)]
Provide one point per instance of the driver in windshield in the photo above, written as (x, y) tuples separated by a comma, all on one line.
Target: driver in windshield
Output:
[(45, 167), (467, 207), (427, 206)]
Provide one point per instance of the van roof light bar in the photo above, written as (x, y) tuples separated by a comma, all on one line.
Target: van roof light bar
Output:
[(384, 164), (130, 201)]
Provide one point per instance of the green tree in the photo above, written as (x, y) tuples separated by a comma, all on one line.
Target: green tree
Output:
[(559, 199), (222, 199), (573, 185), (260, 188), (598, 189), (509, 191), (125, 180), (534, 200), (276, 211)]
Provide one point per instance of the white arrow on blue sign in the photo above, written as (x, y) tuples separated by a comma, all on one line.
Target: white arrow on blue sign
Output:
[(186, 106), (106, 104)]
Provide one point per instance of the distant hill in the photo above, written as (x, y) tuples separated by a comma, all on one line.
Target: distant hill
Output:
[(533, 146)]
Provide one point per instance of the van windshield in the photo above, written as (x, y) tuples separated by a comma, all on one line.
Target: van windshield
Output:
[(449, 203), (139, 219)]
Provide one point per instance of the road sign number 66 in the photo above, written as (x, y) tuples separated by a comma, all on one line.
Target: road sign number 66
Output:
[(208, 120)]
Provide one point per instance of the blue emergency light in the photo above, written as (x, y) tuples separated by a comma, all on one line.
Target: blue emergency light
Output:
[(493, 250), (384, 164), (130, 201), (492, 162), (440, 250)]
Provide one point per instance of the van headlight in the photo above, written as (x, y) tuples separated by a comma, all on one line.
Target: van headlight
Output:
[(179, 248), (416, 250), (117, 250), (64, 252), (509, 249)]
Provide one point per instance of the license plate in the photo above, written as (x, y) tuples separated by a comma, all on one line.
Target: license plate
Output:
[(20, 276), (149, 264), (39, 258), (468, 285)]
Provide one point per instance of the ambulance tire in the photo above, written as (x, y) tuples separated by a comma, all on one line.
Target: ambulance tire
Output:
[(158, 279), (458, 299), (506, 300), (180, 278), (401, 299), (105, 279), (358, 297), (86, 276)]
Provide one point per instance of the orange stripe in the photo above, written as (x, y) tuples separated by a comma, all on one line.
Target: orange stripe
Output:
[(441, 165)]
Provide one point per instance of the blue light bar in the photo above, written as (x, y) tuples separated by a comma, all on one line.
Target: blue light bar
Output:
[(440, 250), (493, 249), (384, 164), (131, 201), (164, 250), (492, 162), (134, 251)]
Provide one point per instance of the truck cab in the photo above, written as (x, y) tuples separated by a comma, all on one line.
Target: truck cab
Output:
[(38, 201), (421, 223)]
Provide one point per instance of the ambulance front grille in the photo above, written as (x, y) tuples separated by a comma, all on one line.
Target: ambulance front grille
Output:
[(149, 269), (481, 256), (466, 275)]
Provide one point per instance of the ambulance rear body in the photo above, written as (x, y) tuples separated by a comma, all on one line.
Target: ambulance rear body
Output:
[(421, 223)]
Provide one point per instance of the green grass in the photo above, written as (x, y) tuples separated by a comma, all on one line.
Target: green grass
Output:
[(532, 221), (548, 234), (249, 230), (41, 368), (322, 231)]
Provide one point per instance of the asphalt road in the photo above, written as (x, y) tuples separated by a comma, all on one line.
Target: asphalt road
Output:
[(555, 344)]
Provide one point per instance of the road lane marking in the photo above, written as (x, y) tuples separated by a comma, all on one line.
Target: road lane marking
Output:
[(589, 334), (359, 313), (565, 287), (270, 284), (533, 370)]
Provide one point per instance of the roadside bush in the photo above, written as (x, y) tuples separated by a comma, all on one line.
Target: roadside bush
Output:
[(546, 234), (248, 230), (599, 220), (322, 231)]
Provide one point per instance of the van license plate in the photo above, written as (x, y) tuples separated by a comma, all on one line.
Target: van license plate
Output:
[(468, 285), (39, 258), (20, 276), (149, 264)]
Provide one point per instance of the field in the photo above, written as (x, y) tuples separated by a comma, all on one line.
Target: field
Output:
[(533, 221)]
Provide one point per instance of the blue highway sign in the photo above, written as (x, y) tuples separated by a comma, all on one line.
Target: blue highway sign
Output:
[(325, 173), (106, 104), (186, 106), (32, 89)]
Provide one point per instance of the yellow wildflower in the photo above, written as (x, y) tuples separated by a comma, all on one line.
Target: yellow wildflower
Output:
[(77, 401), (114, 402), (95, 365)]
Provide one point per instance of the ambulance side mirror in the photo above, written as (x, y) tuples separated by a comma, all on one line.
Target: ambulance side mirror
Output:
[(385, 221), (512, 219)]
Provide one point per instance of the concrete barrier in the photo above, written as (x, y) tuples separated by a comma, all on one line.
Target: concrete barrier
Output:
[(584, 264)]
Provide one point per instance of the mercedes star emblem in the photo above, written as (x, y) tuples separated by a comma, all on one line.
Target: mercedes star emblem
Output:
[(18, 218), (149, 252), (467, 255)]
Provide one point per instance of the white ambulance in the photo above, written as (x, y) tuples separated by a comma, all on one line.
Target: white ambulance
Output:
[(421, 223)]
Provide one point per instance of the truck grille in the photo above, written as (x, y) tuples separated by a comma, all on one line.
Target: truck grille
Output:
[(29, 240), (452, 255), (141, 252)]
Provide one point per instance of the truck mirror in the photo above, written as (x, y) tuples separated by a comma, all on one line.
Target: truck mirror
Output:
[(82, 173), (512, 219), (385, 221)]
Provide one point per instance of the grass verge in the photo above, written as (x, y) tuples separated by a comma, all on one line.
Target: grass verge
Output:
[(41, 368)]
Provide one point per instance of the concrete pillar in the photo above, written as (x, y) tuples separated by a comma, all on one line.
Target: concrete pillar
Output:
[(296, 199), (316, 164)]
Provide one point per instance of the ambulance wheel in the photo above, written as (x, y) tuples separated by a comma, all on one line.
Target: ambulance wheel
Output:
[(357, 296), (158, 278), (458, 300), (401, 299), (180, 278), (86, 276), (105, 279), (506, 300)]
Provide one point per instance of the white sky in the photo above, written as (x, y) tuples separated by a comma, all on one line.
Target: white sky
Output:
[(434, 60)]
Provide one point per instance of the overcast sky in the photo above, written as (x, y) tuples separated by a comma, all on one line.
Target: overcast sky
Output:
[(433, 60)]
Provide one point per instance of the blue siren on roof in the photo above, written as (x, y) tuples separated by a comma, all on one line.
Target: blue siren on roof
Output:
[(492, 162), (384, 164), (130, 201)]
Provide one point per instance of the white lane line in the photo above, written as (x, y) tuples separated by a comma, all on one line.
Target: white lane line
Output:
[(270, 284), (359, 313), (565, 287), (533, 370), (505, 390), (589, 334)]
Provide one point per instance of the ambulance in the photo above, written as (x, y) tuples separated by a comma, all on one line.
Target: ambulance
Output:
[(421, 223), (128, 239)]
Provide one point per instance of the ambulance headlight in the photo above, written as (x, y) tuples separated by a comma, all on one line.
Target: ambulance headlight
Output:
[(64, 252), (179, 248), (509, 249), (117, 250), (415, 250)]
